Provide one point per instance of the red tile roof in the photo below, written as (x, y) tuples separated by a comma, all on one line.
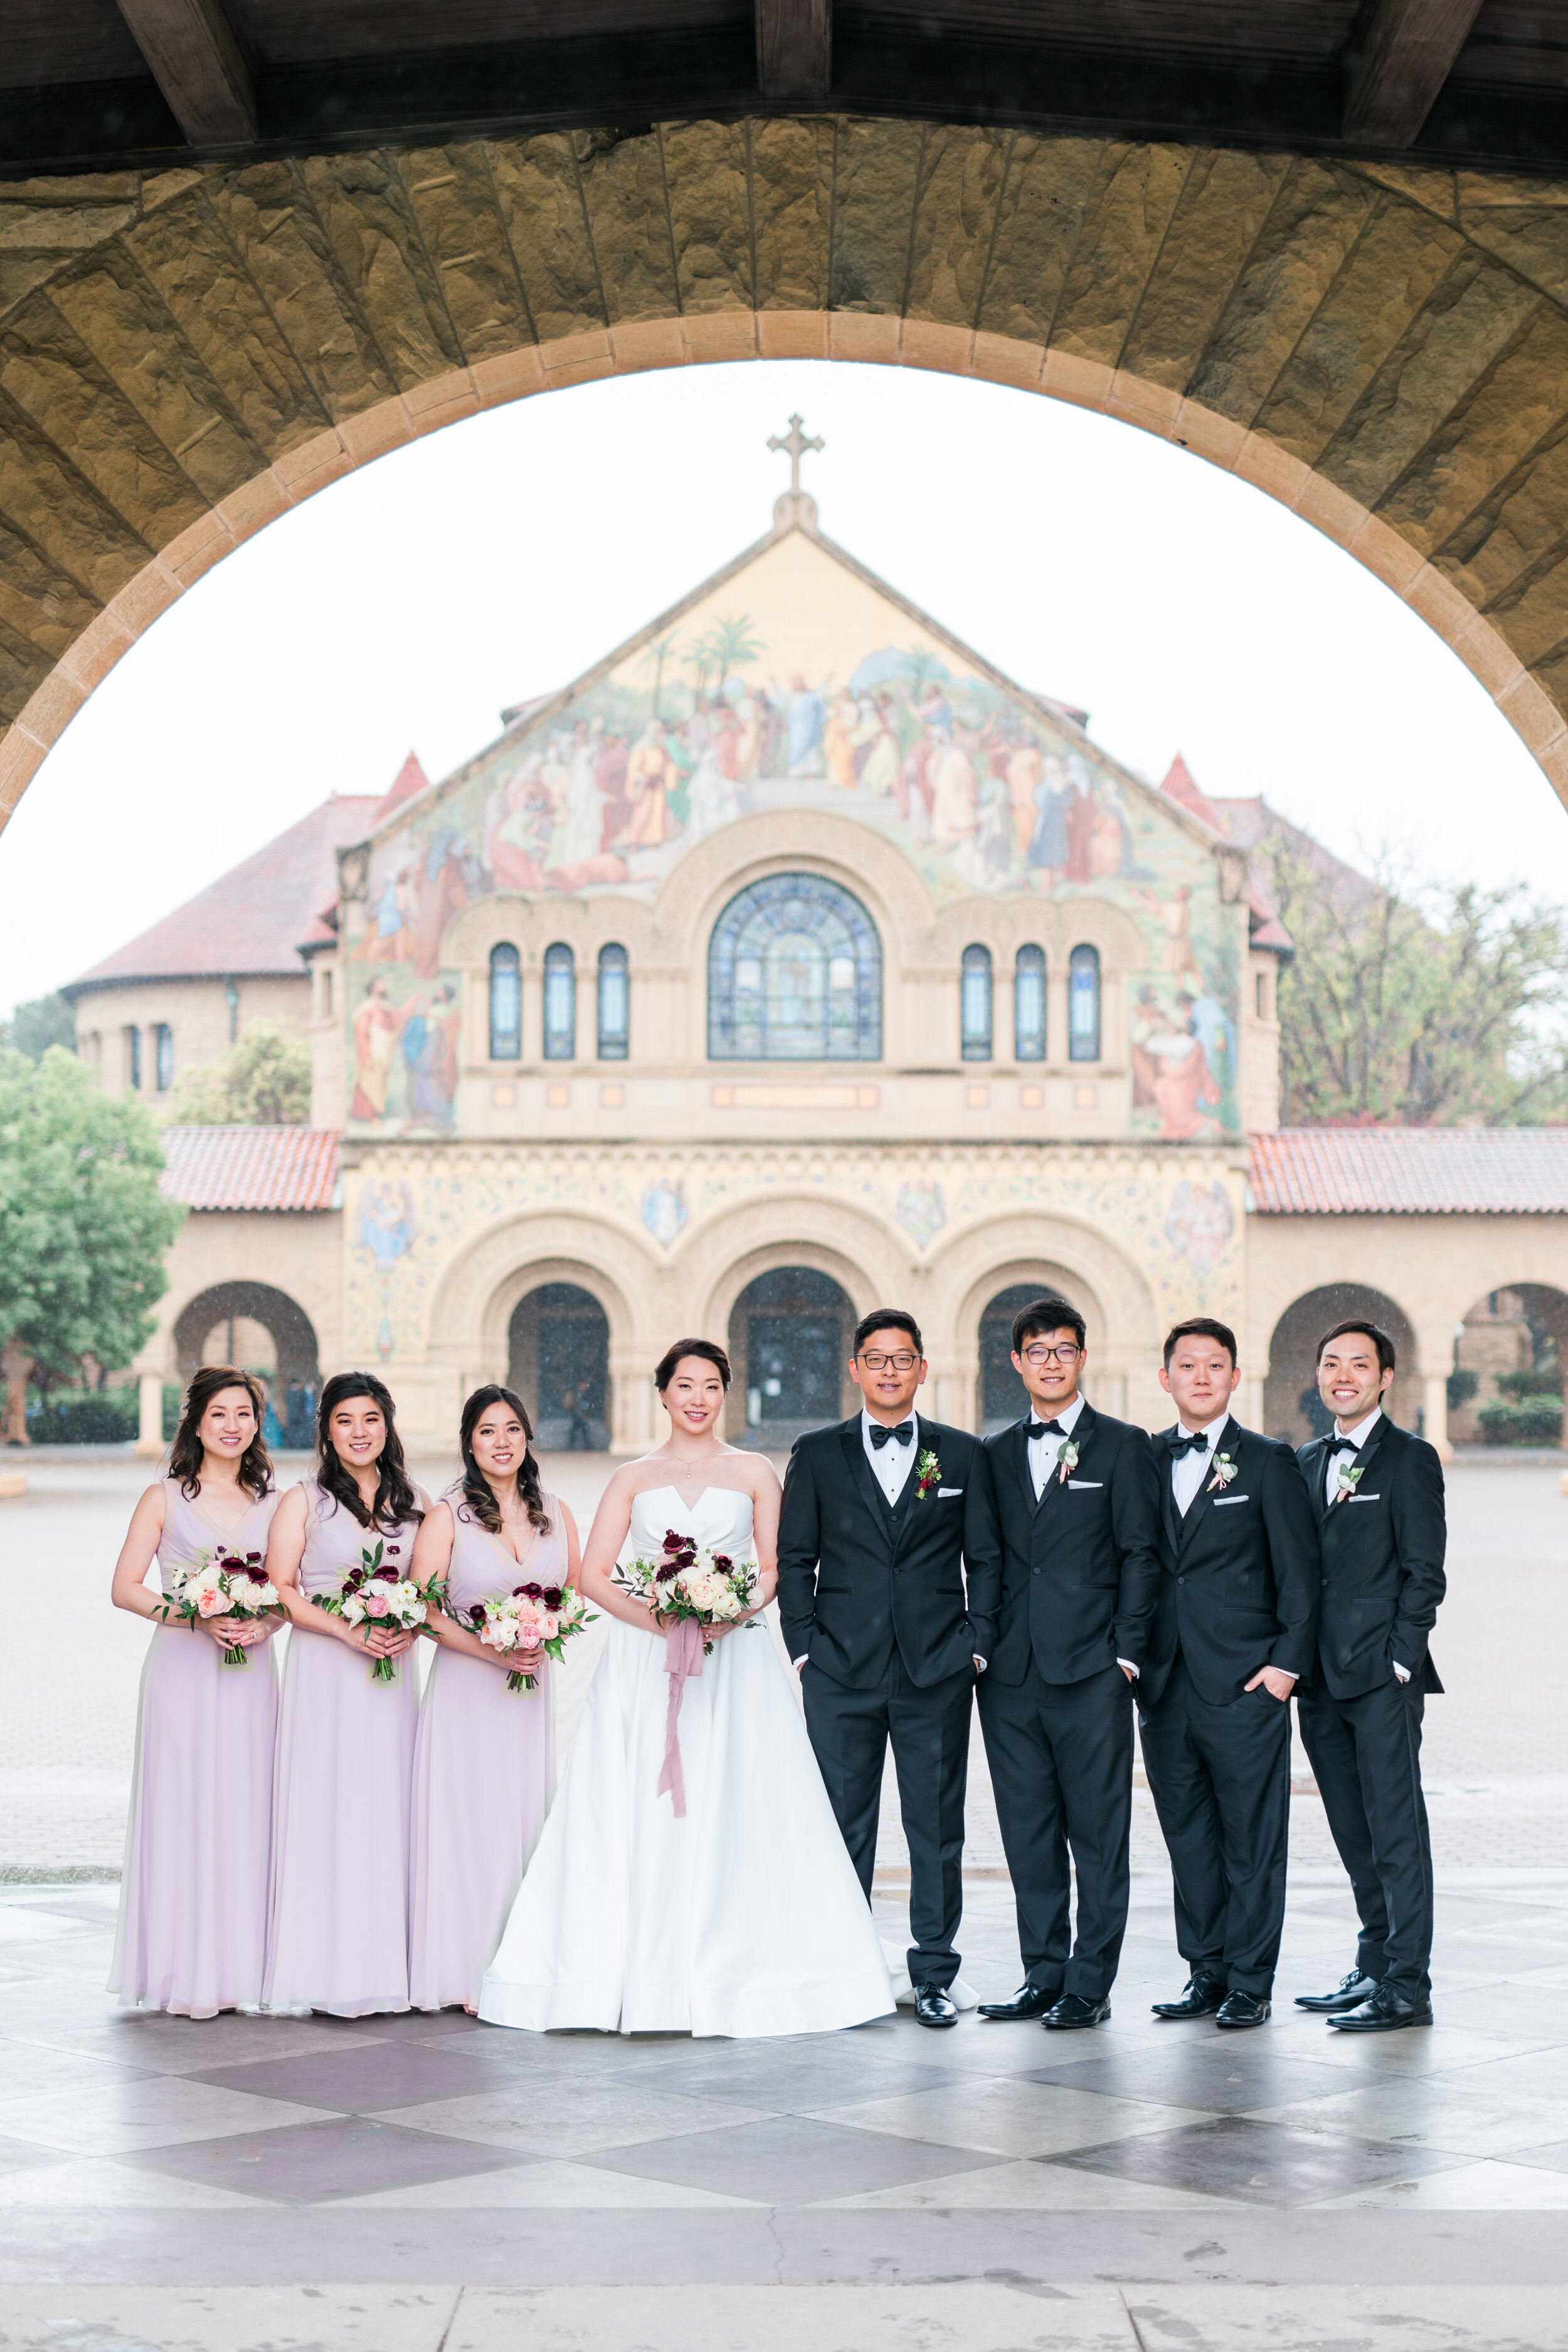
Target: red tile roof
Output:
[(407, 786), (251, 1167), (251, 919), (1435, 1172)]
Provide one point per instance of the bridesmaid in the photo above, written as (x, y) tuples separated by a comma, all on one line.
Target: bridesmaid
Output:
[(337, 1935), (483, 1767), (193, 1903)]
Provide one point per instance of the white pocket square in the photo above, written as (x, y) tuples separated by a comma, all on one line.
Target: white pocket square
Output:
[(948, 1490), (1221, 1500), (1085, 1486), (1374, 1498)]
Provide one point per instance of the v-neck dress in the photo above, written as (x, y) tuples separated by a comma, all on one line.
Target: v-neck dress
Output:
[(192, 1900), (483, 1776), (337, 1936)]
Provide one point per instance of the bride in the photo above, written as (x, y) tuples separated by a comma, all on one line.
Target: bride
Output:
[(745, 1917)]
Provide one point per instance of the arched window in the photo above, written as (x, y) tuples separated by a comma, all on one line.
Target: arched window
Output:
[(560, 1003), (795, 974), (1083, 1005), (506, 1003), (163, 1056), (1029, 1006), (975, 1005), (134, 1057), (614, 1004)]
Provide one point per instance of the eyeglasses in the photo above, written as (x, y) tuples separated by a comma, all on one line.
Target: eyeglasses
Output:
[(878, 1363), (1064, 1355)]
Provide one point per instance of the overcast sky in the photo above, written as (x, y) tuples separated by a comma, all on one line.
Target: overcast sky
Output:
[(403, 607)]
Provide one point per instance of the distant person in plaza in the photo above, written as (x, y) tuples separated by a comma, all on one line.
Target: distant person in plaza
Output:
[(337, 1933), (1379, 1497), (483, 1761), (193, 1902), (1077, 1507), (1234, 1633), (882, 1516)]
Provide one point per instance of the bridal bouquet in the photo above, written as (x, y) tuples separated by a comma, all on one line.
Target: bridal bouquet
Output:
[(378, 1593), (221, 1584), (546, 1615), (688, 1582)]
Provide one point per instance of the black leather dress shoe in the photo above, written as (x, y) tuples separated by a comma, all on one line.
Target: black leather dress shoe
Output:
[(1385, 2012), (1348, 1993), (1029, 2000), (1071, 2011), (933, 2006), (1238, 2009), (1202, 1998)]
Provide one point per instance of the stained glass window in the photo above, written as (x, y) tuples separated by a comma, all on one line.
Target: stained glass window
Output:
[(975, 1005), (1029, 1006), (1083, 1005), (506, 1004), (560, 1003), (795, 974), (614, 1004)]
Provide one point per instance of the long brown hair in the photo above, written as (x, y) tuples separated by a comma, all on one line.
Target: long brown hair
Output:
[(254, 1471), (396, 1498), (477, 1491)]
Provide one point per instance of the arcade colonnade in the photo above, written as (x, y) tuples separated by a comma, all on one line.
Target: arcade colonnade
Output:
[(188, 354)]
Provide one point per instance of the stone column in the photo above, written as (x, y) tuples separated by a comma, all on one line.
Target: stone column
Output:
[(1434, 1400), (150, 1432)]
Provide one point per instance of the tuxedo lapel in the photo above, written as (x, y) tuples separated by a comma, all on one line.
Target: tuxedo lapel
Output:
[(876, 1502), (1361, 1460), (1170, 1517), (902, 1512), (1018, 1458), (1199, 1507), (1082, 1436)]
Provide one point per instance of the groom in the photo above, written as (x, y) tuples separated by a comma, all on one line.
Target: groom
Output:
[(881, 1515)]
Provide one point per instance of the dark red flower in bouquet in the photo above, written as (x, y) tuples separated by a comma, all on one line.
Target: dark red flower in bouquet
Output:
[(671, 1568), (550, 1596), (527, 1591), (353, 1580), (477, 1613), (722, 1559), (256, 1575)]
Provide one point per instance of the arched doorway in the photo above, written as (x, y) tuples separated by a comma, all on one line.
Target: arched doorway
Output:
[(268, 1333), (1292, 1408), (558, 1360), (791, 1332), (1510, 1355), (1002, 1395)]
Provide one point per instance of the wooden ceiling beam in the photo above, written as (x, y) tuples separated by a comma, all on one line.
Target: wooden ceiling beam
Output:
[(1400, 57), (197, 63), (794, 47)]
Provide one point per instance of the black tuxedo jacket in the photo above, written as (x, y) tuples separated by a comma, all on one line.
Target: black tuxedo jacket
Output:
[(1081, 1568), (1241, 1571), (1383, 1561), (858, 1578)]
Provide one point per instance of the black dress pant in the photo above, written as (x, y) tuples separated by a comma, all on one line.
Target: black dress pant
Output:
[(1365, 1755), (1220, 1779), (1061, 1768), (928, 1729)]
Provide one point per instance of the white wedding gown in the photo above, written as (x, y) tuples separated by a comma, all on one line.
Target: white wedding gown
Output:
[(745, 1917)]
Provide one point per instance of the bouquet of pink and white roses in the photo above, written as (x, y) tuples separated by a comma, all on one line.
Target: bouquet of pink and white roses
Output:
[(689, 1581), (221, 1584), (533, 1617), (378, 1593)]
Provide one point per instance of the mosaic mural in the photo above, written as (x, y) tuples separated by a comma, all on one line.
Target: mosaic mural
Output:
[(794, 683)]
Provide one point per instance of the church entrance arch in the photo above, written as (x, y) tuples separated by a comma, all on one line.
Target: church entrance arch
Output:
[(263, 1331), (558, 1360), (1129, 279), (1509, 1357), (790, 1332), (1292, 1406)]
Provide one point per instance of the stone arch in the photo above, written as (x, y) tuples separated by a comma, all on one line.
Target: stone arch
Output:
[(1511, 1350), (1292, 1353), (293, 1334), (281, 335)]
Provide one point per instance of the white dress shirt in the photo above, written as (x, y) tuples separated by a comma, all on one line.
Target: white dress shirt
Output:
[(1045, 1452), (1360, 1432), (892, 1463), (1189, 1471)]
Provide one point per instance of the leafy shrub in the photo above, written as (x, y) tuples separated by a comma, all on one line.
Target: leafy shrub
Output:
[(1530, 1421), (1541, 1379), (1462, 1386), (107, 1417)]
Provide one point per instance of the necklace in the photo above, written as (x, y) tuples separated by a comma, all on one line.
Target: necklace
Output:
[(696, 1467)]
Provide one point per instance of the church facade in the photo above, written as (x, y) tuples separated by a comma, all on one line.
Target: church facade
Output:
[(792, 961)]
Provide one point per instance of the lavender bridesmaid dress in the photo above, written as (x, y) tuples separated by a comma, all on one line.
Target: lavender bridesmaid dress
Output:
[(193, 1902), (337, 1936), (482, 1778)]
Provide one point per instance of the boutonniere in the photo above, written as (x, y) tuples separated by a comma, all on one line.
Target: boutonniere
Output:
[(1067, 1461), (1224, 1472), (928, 1474), (1349, 1480)]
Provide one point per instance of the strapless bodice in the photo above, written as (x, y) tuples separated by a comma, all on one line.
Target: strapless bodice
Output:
[(720, 1517)]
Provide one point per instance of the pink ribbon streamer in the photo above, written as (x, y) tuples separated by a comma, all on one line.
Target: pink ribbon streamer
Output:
[(682, 1656)]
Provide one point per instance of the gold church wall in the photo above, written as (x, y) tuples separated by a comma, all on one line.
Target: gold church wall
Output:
[(440, 1243), (796, 687)]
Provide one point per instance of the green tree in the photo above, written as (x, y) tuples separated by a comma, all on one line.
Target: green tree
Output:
[(83, 1226), (1440, 1006), (263, 1080), (42, 1022)]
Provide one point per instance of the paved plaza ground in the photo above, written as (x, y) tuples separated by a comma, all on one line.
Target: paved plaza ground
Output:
[(426, 2184)]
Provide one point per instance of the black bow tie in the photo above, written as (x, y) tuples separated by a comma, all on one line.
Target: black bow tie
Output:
[(1343, 1446), (1180, 1445), (904, 1431), (1046, 1429)]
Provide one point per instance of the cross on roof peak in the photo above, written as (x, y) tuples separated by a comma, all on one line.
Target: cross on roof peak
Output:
[(795, 444)]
